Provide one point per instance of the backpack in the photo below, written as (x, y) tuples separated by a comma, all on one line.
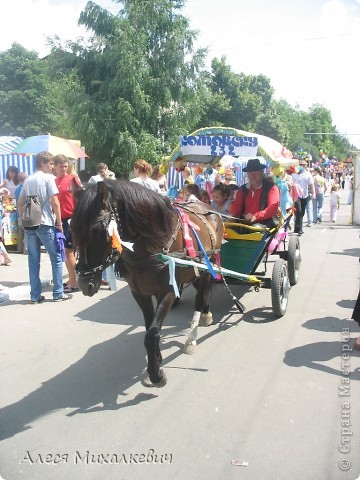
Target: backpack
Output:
[(31, 215)]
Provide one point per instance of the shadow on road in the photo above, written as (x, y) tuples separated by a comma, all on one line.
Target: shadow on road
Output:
[(260, 316), (96, 381), (346, 303), (313, 354), (331, 324), (352, 252), (106, 371)]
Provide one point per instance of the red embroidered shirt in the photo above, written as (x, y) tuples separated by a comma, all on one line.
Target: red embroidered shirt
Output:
[(252, 204)]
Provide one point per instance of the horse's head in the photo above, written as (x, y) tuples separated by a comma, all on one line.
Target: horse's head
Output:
[(90, 229)]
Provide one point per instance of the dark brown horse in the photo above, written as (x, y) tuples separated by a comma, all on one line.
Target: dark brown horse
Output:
[(154, 226)]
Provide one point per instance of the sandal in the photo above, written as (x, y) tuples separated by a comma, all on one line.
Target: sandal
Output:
[(68, 289)]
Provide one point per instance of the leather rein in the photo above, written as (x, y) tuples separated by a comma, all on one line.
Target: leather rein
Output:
[(111, 213)]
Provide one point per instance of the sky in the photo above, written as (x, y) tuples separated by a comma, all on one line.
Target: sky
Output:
[(309, 49)]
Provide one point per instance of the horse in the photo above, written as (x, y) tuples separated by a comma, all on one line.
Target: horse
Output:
[(123, 223)]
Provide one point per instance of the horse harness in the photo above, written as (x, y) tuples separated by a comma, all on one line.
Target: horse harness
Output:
[(179, 207), (111, 213)]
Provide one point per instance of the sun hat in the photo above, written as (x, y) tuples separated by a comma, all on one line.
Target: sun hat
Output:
[(253, 165)]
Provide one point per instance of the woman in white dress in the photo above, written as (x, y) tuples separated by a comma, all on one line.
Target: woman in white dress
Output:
[(160, 179), (143, 171)]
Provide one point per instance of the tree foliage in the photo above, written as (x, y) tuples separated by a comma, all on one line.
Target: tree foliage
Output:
[(26, 103), (140, 83), (135, 86)]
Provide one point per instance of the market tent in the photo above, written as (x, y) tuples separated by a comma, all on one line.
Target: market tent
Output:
[(7, 159), (25, 163), (208, 145), (7, 144)]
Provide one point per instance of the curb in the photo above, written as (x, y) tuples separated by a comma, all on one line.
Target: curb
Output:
[(16, 293)]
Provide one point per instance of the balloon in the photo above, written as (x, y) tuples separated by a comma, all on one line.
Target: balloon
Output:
[(278, 171), (163, 169)]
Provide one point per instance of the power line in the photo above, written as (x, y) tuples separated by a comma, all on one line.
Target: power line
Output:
[(332, 133), (293, 42)]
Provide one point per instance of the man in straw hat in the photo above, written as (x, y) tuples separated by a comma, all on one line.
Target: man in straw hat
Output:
[(258, 201)]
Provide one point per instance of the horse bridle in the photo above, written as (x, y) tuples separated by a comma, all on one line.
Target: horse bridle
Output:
[(109, 214)]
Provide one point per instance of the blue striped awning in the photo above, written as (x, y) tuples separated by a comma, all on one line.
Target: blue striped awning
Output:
[(174, 178), (8, 144), (25, 163)]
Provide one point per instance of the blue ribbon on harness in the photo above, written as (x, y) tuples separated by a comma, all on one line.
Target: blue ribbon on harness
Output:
[(172, 280), (206, 258)]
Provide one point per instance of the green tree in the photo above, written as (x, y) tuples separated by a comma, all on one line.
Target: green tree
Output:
[(294, 123), (136, 86), (325, 137), (236, 100), (27, 105)]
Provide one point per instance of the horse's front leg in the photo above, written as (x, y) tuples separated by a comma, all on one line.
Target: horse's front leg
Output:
[(152, 339), (202, 315), (147, 308)]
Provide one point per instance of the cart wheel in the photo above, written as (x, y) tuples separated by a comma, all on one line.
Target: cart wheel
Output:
[(177, 299), (294, 259), (280, 287)]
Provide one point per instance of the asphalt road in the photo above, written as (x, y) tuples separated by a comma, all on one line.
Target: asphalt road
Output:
[(280, 397)]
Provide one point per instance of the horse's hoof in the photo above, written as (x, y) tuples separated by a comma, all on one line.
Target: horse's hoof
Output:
[(189, 348), (162, 382), (147, 382), (206, 319)]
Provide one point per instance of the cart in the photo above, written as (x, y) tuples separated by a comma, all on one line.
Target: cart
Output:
[(247, 248)]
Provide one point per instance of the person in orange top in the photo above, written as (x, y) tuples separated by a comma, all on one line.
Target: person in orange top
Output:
[(67, 203), (258, 201)]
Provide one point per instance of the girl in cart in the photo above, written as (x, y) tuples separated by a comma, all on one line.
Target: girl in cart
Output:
[(221, 199)]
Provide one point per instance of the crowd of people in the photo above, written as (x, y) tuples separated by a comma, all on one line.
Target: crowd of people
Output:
[(262, 199), (51, 185), (302, 187)]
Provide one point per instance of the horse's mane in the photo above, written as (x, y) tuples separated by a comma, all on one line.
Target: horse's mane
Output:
[(141, 212)]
